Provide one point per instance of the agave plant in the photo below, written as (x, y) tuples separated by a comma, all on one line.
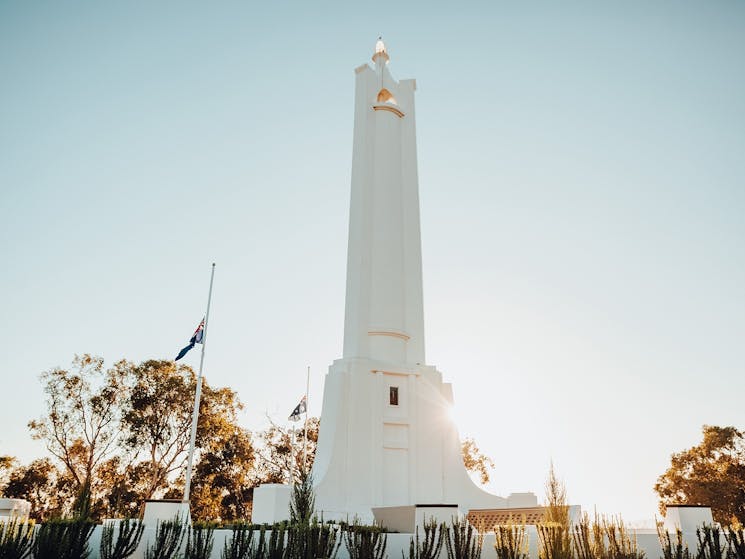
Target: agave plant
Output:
[(15, 538), (169, 535), (120, 540)]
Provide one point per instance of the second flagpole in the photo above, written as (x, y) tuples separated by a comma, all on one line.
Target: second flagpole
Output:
[(305, 427), (198, 394)]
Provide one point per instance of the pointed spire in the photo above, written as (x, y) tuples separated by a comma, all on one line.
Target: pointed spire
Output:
[(381, 55)]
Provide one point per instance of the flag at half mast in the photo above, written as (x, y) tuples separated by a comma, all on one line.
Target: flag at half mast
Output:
[(195, 339), (299, 409)]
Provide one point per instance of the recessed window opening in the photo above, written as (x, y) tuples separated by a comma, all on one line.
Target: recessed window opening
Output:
[(393, 396)]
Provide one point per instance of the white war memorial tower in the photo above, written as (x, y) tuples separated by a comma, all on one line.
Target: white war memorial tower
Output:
[(386, 438)]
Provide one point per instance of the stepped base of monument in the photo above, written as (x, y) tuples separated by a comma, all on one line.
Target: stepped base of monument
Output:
[(408, 518)]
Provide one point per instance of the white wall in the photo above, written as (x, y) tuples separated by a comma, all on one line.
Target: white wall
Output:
[(397, 543)]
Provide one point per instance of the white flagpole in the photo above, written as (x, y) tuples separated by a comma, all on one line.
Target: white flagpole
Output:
[(198, 394), (292, 455), (305, 427)]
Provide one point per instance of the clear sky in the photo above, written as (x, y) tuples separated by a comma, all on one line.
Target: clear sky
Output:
[(582, 185)]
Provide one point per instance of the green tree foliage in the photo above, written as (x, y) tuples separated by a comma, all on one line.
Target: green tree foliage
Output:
[(157, 420), (121, 435), (222, 486), (81, 426), (279, 453), (48, 490), (7, 463), (475, 461), (711, 474)]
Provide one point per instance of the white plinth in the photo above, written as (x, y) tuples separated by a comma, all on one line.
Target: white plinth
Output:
[(165, 509), (271, 503), (16, 508), (686, 518), (407, 519)]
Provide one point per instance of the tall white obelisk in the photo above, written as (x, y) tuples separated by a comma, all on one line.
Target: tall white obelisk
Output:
[(386, 437)]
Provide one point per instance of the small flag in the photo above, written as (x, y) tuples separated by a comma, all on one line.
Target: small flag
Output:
[(300, 408), (195, 339)]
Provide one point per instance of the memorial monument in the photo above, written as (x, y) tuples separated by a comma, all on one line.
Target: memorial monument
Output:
[(386, 438)]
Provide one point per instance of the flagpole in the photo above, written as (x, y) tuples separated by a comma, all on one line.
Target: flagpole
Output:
[(292, 456), (305, 427), (198, 394)]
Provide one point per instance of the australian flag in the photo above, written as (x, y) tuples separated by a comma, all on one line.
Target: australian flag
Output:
[(300, 408), (195, 339)]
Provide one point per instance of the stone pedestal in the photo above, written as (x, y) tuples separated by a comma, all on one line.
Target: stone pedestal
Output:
[(686, 518), (271, 503), (14, 508), (165, 509)]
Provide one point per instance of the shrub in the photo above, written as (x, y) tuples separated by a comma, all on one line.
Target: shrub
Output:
[(736, 542), (312, 541), (63, 539), (510, 541), (168, 537), (365, 542), (242, 545), (554, 541), (620, 544), (15, 538), (462, 541), (430, 547), (709, 543), (276, 547), (128, 535), (672, 549), (200, 541), (302, 500)]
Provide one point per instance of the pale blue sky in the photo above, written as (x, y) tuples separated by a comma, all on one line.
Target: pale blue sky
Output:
[(582, 190)]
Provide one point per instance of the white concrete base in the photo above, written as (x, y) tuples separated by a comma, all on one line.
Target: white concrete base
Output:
[(686, 517), (271, 503), (165, 509), (15, 508), (407, 519)]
